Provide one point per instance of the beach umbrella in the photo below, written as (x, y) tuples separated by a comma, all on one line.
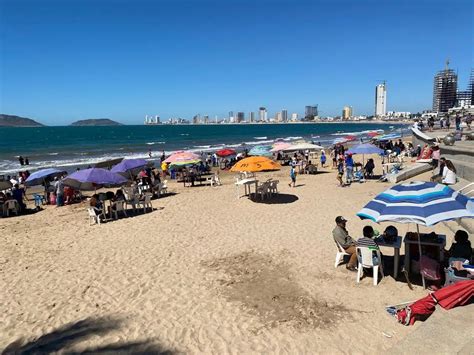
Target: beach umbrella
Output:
[(93, 178), (225, 152), (457, 294), (38, 177), (255, 164), (350, 138), (185, 157), (129, 165), (279, 146), (422, 203), (373, 134), (365, 148), (261, 150), (302, 146), (5, 185)]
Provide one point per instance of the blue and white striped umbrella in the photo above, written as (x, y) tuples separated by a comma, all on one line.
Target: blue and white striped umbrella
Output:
[(424, 203)]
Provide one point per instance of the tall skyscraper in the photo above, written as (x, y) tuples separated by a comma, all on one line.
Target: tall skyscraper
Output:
[(294, 117), (262, 114), (240, 117), (252, 117), (284, 115), (206, 119), (381, 100), (310, 112), (231, 116), (278, 117), (346, 112), (466, 98), (444, 89)]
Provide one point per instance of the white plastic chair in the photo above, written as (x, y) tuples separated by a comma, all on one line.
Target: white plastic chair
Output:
[(130, 199), (164, 187), (365, 257), (12, 205), (118, 206), (274, 186), (263, 190), (340, 254), (93, 217), (146, 202)]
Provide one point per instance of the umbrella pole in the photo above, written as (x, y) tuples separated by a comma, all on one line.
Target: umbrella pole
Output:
[(419, 250)]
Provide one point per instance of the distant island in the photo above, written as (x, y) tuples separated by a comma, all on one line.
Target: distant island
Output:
[(96, 122), (17, 121)]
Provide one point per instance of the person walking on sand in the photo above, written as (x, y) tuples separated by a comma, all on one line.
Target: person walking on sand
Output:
[(340, 171), (323, 158), (292, 176)]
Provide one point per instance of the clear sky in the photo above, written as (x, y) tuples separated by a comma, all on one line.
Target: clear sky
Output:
[(67, 60)]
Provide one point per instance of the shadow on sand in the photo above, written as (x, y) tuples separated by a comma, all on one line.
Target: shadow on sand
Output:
[(64, 339), (275, 199)]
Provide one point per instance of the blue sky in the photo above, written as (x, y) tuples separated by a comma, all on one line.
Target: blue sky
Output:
[(67, 60)]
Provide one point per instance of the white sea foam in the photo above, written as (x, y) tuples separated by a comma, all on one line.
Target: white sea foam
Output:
[(260, 137)]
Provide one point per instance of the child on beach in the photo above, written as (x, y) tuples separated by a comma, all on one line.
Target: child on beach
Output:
[(340, 171), (323, 158), (292, 176)]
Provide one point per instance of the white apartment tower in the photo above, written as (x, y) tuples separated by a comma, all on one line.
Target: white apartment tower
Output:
[(380, 100)]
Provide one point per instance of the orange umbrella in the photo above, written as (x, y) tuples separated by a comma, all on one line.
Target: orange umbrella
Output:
[(254, 164)]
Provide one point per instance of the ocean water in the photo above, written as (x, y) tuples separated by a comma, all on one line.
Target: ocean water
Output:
[(79, 146)]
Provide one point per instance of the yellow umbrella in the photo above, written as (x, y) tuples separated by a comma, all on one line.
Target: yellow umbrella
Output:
[(254, 164)]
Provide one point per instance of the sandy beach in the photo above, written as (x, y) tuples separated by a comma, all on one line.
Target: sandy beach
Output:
[(204, 272)]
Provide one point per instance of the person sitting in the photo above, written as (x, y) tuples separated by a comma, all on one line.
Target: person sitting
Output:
[(367, 239), (341, 236), (461, 249), (96, 204), (439, 177), (310, 168), (369, 168), (449, 173), (390, 234), (18, 194)]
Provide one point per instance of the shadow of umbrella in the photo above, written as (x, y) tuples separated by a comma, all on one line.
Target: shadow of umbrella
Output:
[(277, 199), (64, 338)]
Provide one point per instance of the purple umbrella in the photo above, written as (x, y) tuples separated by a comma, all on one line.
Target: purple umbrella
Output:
[(38, 177), (93, 178), (127, 165)]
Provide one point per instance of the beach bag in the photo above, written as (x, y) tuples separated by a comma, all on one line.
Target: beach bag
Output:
[(429, 268)]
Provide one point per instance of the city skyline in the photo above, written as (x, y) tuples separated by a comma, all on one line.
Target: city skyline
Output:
[(123, 60)]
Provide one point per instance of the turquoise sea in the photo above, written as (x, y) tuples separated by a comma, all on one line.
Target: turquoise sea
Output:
[(78, 146)]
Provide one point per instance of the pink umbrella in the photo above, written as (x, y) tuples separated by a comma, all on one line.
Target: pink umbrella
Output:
[(278, 146), (182, 156)]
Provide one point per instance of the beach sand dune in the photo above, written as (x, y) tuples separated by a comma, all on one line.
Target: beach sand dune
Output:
[(204, 272)]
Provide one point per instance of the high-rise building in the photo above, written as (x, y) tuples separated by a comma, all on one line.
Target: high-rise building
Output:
[(381, 100), (252, 117), (197, 119), (278, 117), (310, 112), (206, 119), (294, 117), (262, 114), (466, 98), (445, 89), (231, 116), (240, 117), (346, 112), (284, 115)]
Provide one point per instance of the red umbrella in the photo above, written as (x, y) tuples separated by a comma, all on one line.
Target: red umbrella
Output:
[(225, 152), (457, 294), (448, 297)]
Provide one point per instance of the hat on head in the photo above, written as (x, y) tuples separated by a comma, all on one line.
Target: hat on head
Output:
[(340, 219)]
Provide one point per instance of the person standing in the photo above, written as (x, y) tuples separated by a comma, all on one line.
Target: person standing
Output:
[(342, 237), (349, 168), (21, 160), (457, 120), (323, 158), (59, 186), (340, 171), (292, 176)]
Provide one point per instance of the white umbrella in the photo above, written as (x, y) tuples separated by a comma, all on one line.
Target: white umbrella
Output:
[(302, 146)]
